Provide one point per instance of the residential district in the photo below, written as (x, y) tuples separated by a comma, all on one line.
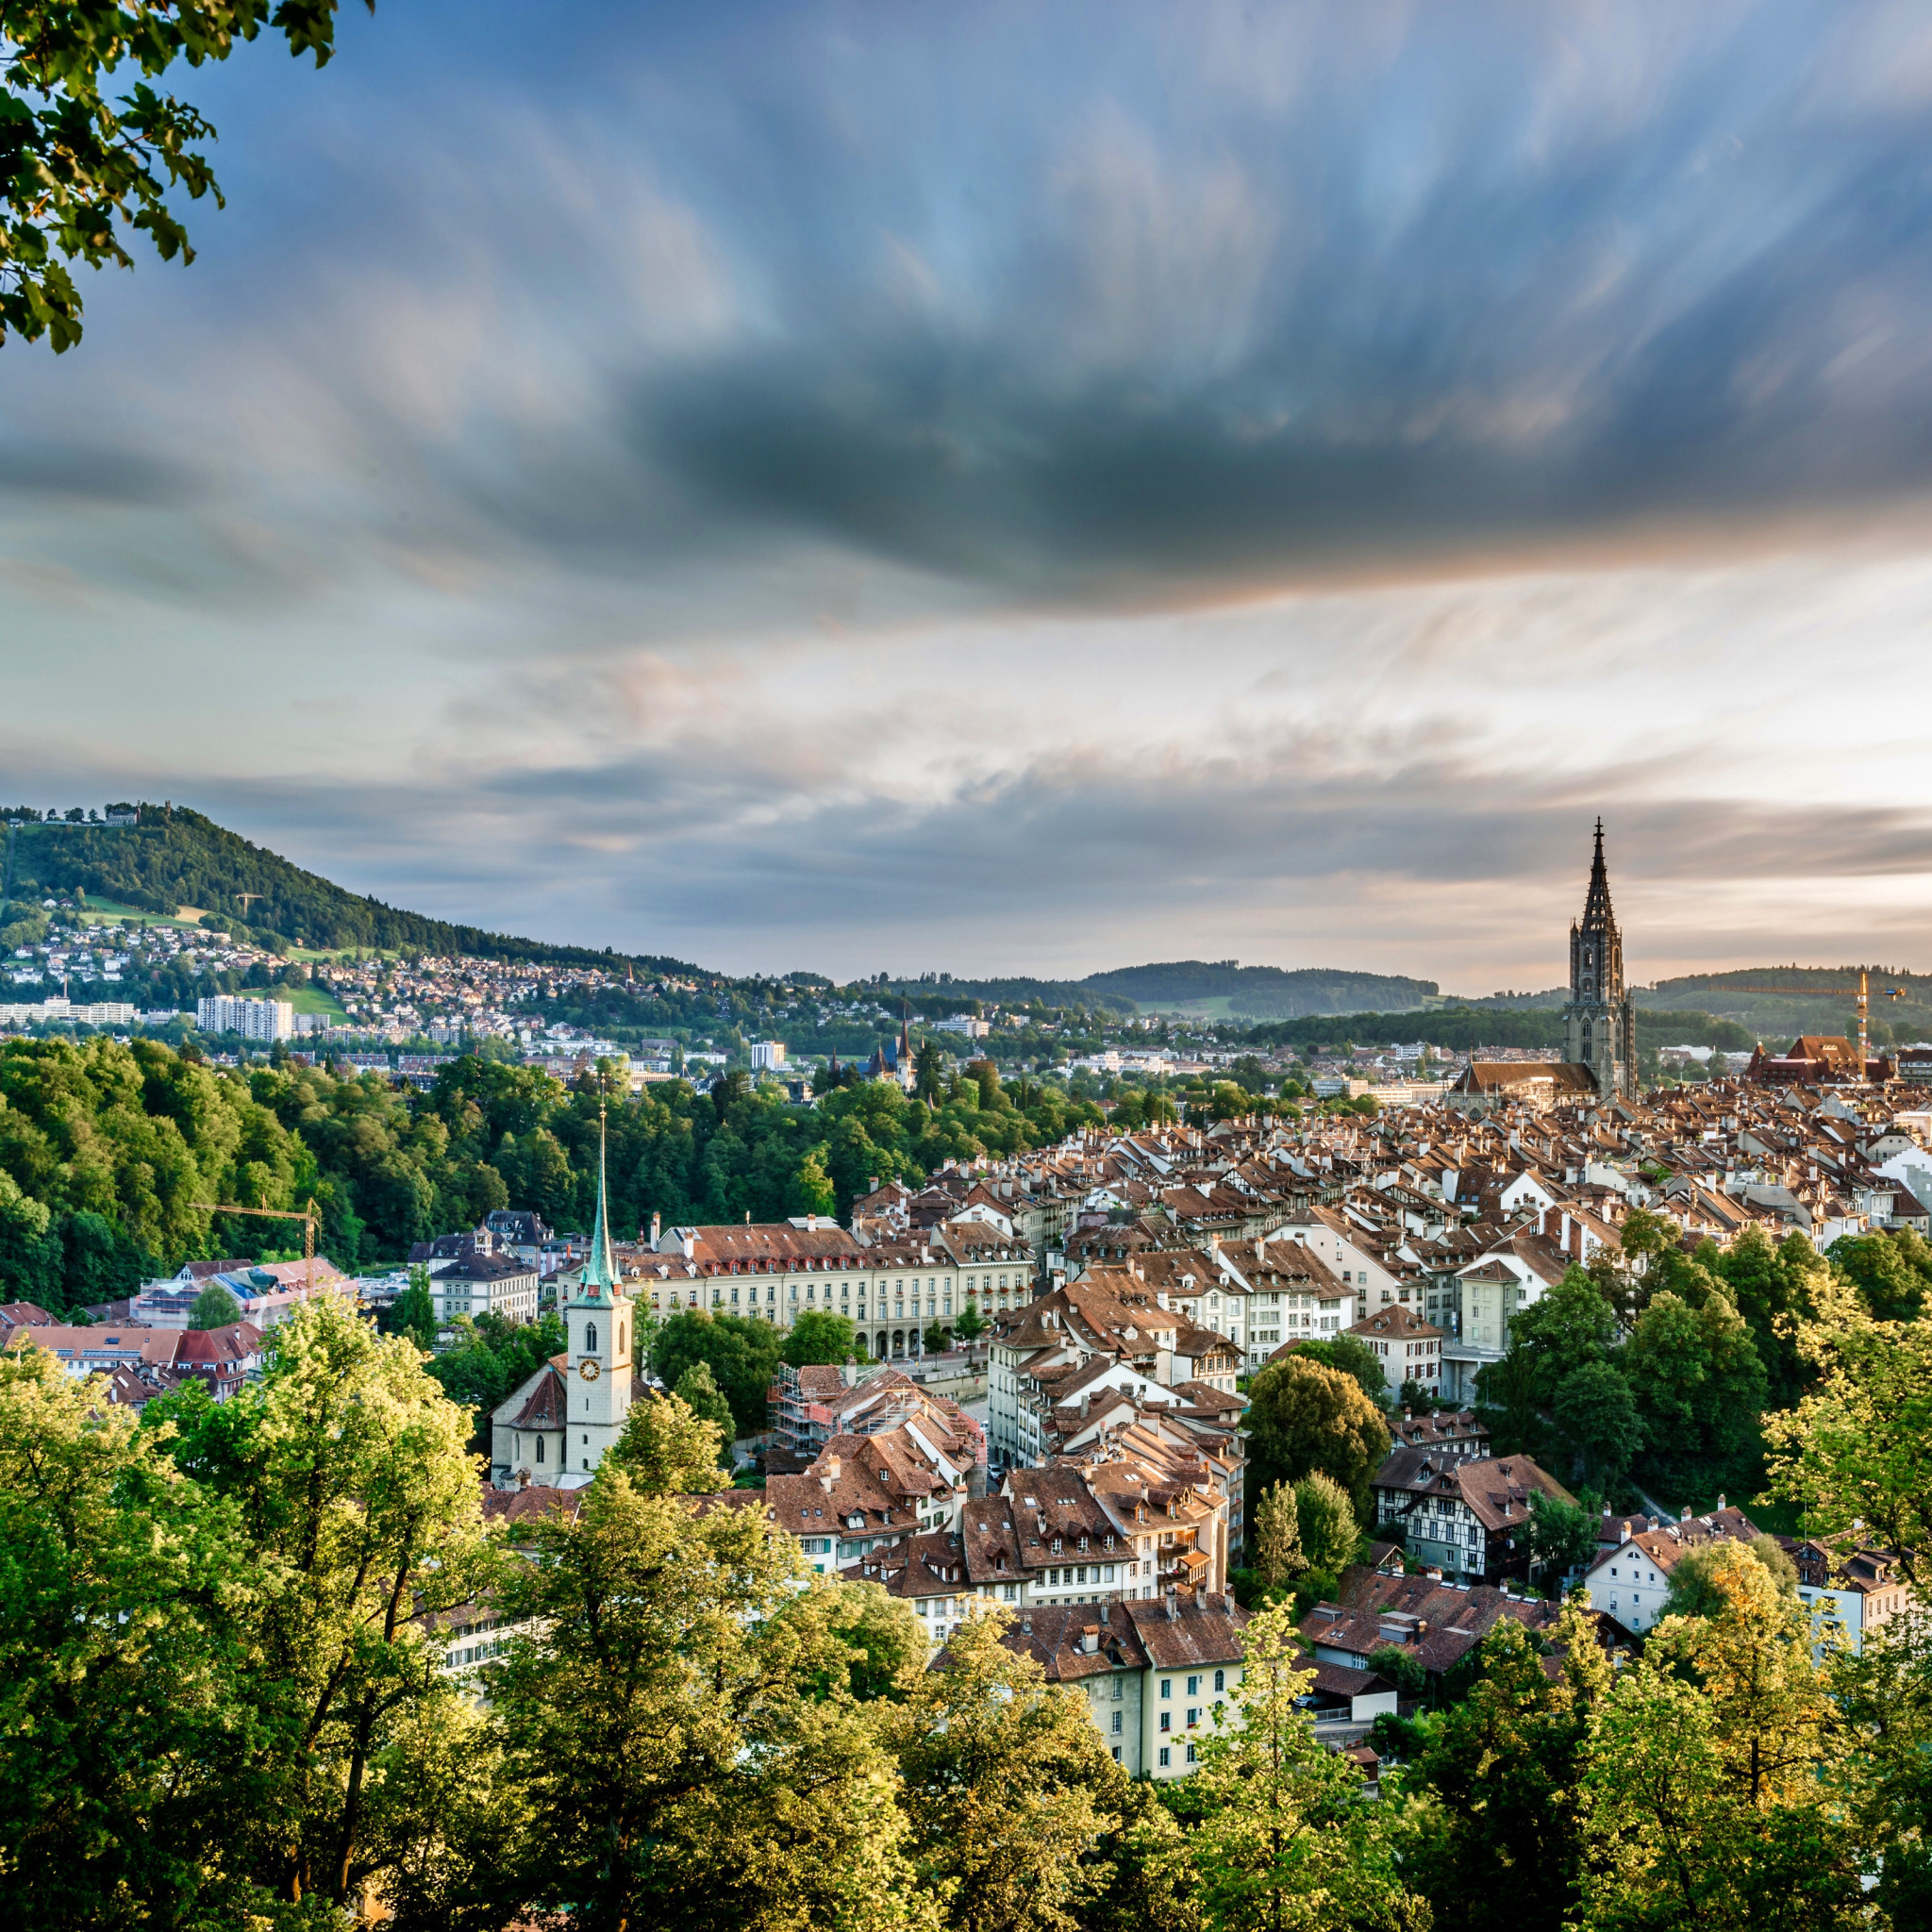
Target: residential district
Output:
[(1046, 1404)]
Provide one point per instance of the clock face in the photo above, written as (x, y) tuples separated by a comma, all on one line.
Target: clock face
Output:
[(589, 1370)]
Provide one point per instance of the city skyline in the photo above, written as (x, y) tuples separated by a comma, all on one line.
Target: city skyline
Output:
[(993, 494)]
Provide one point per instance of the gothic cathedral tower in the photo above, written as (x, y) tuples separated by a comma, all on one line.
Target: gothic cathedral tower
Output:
[(597, 1367), (1600, 1021)]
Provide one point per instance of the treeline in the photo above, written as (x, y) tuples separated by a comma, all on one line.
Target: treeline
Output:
[(1461, 1029), (175, 857), (223, 1632), (105, 1148)]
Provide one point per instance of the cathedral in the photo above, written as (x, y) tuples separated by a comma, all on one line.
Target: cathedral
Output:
[(1600, 1020), (1599, 1025)]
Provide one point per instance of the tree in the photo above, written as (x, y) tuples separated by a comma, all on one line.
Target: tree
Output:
[(356, 1501), (1278, 1538), (1697, 1586), (1593, 1425), (683, 1695), (928, 1071), (83, 169), (972, 1324), (935, 1339), (1858, 1447), (1351, 1357), (1497, 1785), (1884, 1689), (120, 1689), (1892, 1272), (1284, 1836), (820, 1339), (741, 1353), (699, 1395), (669, 1449), (1775, 1289), (1303, 1418), (887, 1637), (1563, 1534), (1401, 1670), (214, 1308), (1699, 1389), (414, 1311), (1709, 1796), (1325, 1520), (1007, 1786)]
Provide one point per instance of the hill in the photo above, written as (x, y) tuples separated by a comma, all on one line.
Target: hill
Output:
[(1261, 992), (173, 858)]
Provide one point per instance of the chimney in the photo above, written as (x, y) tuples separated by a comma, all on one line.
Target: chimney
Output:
[(848, 1374), (1106, 1616), (829, 1473), (657, 1229), (1684, 1514), (1721, 1502), (1623, 1532)]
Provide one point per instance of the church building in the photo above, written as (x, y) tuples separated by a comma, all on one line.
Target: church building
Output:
[(1599, 1023), (558, 1426)]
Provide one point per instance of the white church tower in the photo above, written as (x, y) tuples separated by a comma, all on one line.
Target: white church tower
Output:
[(597, 1367)]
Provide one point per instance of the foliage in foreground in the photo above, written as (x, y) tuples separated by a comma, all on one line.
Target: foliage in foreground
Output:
[(220, 1705)]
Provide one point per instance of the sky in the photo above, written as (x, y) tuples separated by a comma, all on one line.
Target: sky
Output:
[(1026, 487)]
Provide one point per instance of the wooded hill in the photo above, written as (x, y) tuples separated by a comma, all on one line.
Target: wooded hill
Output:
[(175, 857)]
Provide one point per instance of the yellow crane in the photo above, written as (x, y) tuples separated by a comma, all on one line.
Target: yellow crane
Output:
[(1861, 993), (307, 1217)]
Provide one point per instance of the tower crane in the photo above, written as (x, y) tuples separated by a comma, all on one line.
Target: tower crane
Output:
[(305, 1218), (1861, 993)]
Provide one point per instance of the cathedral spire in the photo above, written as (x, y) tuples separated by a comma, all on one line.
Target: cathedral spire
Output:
[(1596, 905)]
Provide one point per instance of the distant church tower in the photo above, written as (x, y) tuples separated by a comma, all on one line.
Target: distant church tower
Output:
[(1600, 1021), (597, 1367)]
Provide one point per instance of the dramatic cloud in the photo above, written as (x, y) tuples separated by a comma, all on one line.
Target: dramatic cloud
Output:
[(1016, 487)]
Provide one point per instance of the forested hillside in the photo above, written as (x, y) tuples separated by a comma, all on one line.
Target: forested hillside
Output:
[(175, 857), (1262, 991), (103, 1147)]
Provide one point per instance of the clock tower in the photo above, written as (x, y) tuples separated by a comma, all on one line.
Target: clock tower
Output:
[(597, 1366)]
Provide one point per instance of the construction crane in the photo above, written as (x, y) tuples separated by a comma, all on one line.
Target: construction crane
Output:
[(306, 1217), (1861, 993)]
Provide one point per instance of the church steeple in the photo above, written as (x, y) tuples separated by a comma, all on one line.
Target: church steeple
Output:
[(600, 1277), (597, 1364), (1600, 1021)]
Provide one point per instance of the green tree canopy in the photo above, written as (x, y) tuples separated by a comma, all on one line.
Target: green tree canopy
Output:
[(819, 1338), (1351, 1357), (1304, 1418), (214, 1308), (89, 169)]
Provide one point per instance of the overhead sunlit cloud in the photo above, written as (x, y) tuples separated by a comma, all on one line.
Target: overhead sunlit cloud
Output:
[(1025, 489)]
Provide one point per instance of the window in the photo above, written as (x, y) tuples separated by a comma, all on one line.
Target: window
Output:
[(1193, 1689), (1193, 1715), (591, 1338), (1167, 1716), (1163, 1755), (1116, 1753), (1220, 1680), (540, 1448), (1191, 1754), (1116, 1724), (1167, 1687), (1118, 1687)]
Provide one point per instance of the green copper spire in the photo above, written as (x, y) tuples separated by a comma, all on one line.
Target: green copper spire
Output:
[(600, 1272)]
